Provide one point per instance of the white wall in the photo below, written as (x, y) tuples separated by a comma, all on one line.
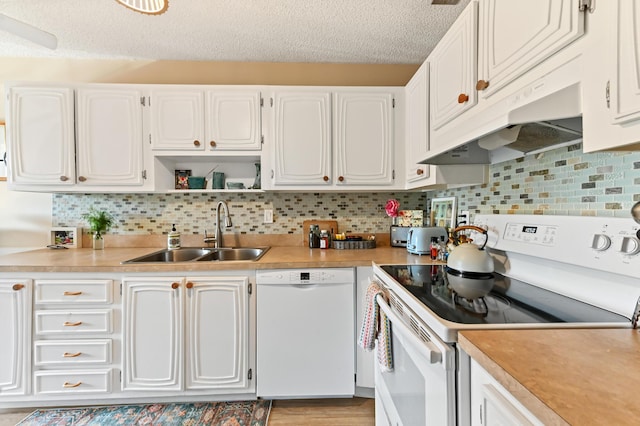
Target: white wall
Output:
[(25, 219)]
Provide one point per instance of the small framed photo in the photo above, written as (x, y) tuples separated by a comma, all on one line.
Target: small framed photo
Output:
[(443, 212), (66, 237), (182, 179)]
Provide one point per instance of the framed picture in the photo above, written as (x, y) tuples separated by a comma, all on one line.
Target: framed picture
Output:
[(182, 179), (443, 212), (66, 237)]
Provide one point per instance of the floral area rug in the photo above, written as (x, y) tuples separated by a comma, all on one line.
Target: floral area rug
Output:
[(240, 413)]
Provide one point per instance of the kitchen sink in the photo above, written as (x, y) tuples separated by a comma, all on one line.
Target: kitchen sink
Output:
[(191, 254), (238, 253)]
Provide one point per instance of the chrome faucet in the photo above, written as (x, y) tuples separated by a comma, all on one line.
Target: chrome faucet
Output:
[(217, 238)]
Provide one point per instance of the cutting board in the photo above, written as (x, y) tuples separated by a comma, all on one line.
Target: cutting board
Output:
[(324, 224)]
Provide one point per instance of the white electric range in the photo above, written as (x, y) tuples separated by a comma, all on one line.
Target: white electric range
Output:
[(551, 272)]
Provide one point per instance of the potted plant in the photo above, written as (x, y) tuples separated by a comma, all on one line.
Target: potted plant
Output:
[(100, 221)]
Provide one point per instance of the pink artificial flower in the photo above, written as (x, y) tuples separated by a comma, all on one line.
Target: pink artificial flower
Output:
[(392, 208)]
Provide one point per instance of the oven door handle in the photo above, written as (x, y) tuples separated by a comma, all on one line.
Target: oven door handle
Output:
[(431, 351)]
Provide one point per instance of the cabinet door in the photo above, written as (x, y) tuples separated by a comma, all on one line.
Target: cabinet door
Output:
[(516, 35), (302, 138), (453, 72), (41, 136), (15, 335), (625, 77), (417, 125), (363, 137), (177, 119), (232, 120), (152, 334), (217, 333), (109, 137)]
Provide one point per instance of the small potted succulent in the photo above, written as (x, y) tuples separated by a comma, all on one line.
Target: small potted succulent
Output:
[(100, 221)]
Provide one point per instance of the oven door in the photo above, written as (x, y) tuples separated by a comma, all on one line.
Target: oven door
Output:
[(421, 388)]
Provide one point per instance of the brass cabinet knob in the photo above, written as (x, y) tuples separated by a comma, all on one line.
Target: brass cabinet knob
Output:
[(482, 84), (213, 144), (196, 143), (462, 98), (64, 178), (325, 178), (419, 171), (341, 178), (17, 287), (175, 285), (189, 284), (82, 179)]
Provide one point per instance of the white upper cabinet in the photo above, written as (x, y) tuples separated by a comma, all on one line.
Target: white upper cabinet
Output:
[(232, 120), (516, 35), (611, 78), (624, 87), (191, 119), (301, 126), (109, 126), (41, 138), (58, 143), (453, 65), (363, 138), (326, 139), (417, 126), (177, 119)]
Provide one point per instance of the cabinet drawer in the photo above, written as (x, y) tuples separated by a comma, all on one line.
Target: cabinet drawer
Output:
[(72, 352), (73, 322), (56, 382), (73, 291)]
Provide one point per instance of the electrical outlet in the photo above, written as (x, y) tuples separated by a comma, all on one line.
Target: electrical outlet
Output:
[(268, 216), (464, 218)]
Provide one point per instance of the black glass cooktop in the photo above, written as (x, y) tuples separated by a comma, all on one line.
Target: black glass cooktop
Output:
[(510, 301)]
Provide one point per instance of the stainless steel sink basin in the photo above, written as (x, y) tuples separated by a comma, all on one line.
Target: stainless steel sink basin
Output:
[(191, 254), (237, 253)]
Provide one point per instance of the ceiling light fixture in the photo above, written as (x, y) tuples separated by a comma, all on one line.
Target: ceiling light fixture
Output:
[(149, 7)]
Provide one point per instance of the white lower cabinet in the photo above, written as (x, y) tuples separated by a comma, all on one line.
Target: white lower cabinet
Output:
[(74, 334), (493, 405), (186, 334), (15, 335)]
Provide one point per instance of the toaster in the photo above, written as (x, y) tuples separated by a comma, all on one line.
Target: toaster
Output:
[(419, 239), (398, 235)]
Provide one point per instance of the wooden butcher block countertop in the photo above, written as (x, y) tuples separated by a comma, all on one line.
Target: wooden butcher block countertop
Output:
[(569, 376), (108, 260)]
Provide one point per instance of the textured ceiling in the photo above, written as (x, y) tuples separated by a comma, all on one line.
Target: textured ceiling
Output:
[(339, 31)]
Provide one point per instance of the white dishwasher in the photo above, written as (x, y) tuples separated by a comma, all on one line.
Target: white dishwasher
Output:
[(305, 329)]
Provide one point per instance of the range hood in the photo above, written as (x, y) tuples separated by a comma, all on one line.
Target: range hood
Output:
[(548, 121)]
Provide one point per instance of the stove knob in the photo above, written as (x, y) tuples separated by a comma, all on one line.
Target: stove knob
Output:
[(630, 245), (600, 242)]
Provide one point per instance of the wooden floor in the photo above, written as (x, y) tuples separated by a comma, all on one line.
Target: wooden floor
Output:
[(333, 412)]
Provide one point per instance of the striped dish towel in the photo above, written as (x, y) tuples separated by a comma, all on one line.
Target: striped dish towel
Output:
[(375, 324)]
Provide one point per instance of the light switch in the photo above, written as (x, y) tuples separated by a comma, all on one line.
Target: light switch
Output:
[(268, 216)]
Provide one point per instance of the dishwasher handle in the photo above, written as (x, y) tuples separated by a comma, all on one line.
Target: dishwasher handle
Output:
[(428, 349)]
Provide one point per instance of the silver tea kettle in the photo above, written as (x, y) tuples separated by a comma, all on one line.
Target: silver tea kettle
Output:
[(469, 267)]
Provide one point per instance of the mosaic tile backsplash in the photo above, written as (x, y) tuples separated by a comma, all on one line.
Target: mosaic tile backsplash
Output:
[(564, 181)]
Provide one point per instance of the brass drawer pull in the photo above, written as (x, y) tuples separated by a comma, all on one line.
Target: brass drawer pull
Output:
[(71, 385), (72, 293), (72, 324), (70, 355)]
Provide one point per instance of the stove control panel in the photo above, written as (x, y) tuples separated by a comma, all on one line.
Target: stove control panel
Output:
[(603, 243), (533, 234)]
